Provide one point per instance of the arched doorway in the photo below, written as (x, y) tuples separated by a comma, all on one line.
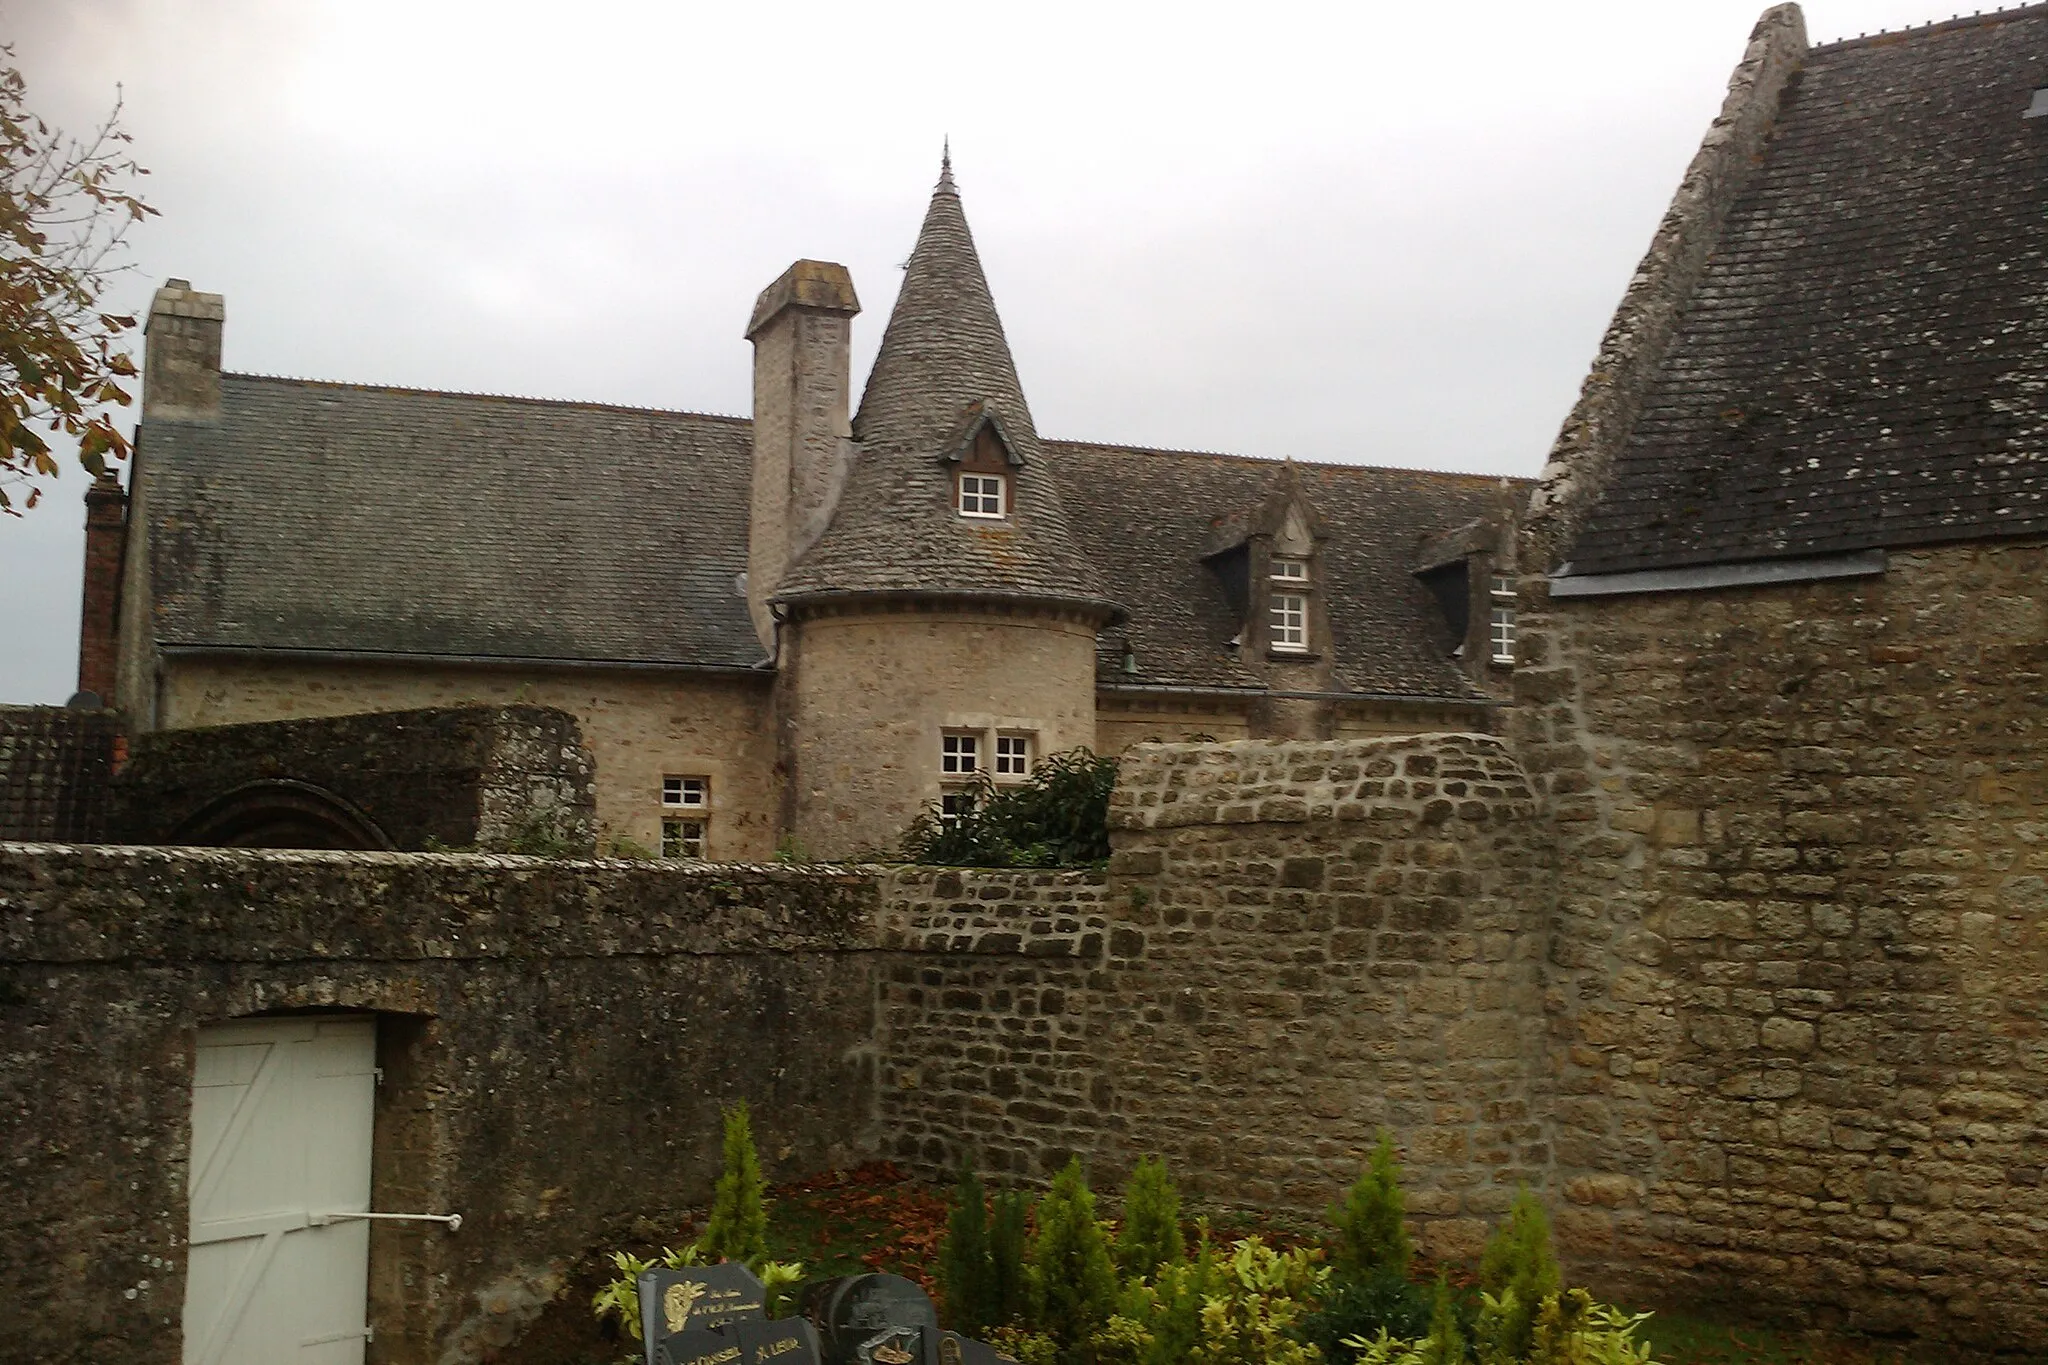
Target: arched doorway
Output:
[(280, 813)]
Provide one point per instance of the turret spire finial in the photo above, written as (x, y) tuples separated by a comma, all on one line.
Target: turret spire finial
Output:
[(946, 185)]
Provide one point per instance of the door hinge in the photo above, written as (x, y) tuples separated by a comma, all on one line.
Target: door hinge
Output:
[(378, 1072)]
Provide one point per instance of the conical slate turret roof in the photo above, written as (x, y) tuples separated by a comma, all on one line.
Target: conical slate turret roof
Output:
[(944, 365)]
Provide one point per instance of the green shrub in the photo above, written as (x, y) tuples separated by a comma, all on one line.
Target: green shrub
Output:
[(966, 1270), (1150, 1236), (1073, 1281), (1176, 1297), (1059, 818), (1371, 1232), (1518, 1271), (1571, 1329), (620, 1296), (1445, 1344), (1250, 1315), (1362, 1306), (1025, 1347), (738, 1227), (1009, 1278)]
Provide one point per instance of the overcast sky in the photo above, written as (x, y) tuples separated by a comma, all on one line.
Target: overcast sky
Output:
[(1360, 232)]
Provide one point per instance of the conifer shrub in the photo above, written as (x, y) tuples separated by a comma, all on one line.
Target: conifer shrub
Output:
[(1009, 1270), (1150, 1236), (966, 1269), (738, 1227), (1518, 1272), (1073, 1280), (1372, 1234), (1362, 1306)]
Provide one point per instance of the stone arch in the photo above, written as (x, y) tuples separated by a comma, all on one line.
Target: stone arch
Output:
[(280, 813)]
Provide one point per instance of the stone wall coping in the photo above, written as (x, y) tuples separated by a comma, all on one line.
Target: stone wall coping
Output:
[(1259, 781)]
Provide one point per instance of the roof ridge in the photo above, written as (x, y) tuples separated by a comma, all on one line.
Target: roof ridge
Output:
[(482, 393), (1283, 459), (1980, 19)]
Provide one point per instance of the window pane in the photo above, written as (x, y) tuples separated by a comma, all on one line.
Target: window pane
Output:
[(685, 791), (1289, 621), (1294, 569), (1504, 635), (1013, 755), (959, 753), (682, 838), (981, 495)]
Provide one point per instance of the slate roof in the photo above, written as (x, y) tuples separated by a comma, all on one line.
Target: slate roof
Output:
[(1150, 526), (1864, 363), (351, 517), (895, 528)]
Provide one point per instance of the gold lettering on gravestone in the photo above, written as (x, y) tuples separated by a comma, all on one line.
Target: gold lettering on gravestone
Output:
[(718, 1357), (781, 1347), (677, 1303), (889, 1354), (949, 1352)]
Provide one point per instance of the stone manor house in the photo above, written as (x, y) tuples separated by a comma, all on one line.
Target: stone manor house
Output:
[(1718, 914), (797, 628)]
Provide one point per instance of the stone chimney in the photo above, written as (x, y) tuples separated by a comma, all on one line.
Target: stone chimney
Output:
[(106, 517), (802, 332), (181, 355)]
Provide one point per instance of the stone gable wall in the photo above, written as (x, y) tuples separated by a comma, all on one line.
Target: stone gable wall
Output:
[(1796, 986), (1297, 944)]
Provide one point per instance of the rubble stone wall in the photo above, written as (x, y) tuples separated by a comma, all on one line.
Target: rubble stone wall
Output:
[(1796, 988), (1298, 943)]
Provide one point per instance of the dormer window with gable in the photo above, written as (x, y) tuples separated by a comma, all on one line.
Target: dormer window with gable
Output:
[(983, 461), (1287, 607), (1502, 596)]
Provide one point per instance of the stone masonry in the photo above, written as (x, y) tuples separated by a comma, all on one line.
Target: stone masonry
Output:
[(1298, 944), (1795, 984)]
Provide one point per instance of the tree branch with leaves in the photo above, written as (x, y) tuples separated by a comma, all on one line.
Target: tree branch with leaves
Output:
[(66, 206)]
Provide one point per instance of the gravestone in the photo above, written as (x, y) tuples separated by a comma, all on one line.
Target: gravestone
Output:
[(955, 1349), (873, 1320), (717, 1315)]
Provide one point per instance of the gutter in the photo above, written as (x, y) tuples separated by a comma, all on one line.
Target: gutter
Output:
[(1694, 578), (1253, 693), (507, 661)]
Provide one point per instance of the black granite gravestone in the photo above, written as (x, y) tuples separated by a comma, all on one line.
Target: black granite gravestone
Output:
[(786, 1341), (955, 1349), (695, 1299), (873, 1320)]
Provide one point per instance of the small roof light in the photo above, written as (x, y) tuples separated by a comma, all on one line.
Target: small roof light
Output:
[(2039, 108)]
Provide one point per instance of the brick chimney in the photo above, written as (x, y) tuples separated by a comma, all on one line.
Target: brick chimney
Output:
[(106, 518), (802, 330), (181, 355)]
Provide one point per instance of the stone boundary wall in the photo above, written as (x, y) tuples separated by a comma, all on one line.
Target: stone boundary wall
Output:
[(1298, 943), (1800, 973), (557, 1039)]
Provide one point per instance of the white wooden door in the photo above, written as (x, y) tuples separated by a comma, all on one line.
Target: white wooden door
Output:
[(281, 1115)]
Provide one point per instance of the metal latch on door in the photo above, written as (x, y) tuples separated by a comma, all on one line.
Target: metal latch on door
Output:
[(453, 1220)]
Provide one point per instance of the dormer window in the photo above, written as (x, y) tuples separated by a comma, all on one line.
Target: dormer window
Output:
[(984, 495), (1291, 570)]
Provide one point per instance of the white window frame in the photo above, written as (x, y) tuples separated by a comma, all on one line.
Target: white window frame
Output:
[(684, 838), (1501, 626), (1012, 756), (952, 805), (1287, 623), (1287, 569), (960, 754), (978, 490), (686, 791)]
